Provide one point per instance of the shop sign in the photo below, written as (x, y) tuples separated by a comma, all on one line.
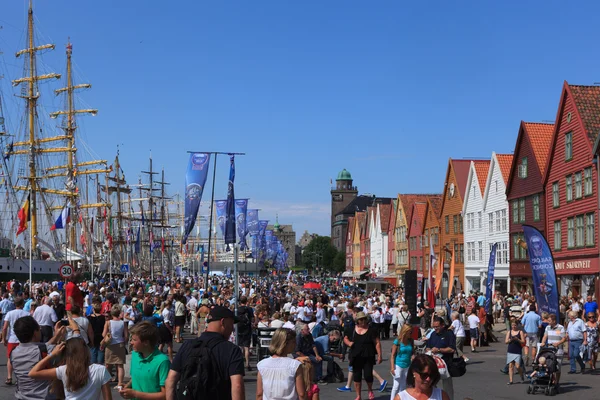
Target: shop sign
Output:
[(578, 264)]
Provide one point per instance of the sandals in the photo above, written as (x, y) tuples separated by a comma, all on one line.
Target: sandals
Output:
[(8, 381), (371, 396)]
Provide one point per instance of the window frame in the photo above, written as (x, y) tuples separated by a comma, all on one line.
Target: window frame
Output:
[(555, 195), (578, 185), (536, 207), (587, 179), (569, 188), (593, 228), (558, 235), (568, 146)]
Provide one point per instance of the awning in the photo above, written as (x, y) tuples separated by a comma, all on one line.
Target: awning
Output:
[(388, 275), (359, 274), (347, 274)]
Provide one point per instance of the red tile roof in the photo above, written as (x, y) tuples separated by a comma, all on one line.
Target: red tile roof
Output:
[(419, 212), (409, 199), (350, 229), (461, 173), (436, 205), (360, 220), (504, 162), (385, 210), (481, 168), (540, 137), (587, 101)]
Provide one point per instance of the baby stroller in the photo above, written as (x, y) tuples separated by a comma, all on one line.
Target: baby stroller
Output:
[(543, 377)]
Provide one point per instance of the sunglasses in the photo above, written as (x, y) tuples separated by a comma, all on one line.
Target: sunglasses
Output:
[(591, 317), (424, 375)]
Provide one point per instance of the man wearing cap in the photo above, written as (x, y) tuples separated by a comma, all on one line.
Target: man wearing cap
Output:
[(228, 357)]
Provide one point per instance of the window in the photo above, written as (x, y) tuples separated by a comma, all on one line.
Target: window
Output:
[(557, 236), (523, 168), (555, 201), (469, 252), (590, 233), (536, 207), (521, 210), (504, 226), (578, 188), (447, 221), (421, 262), (515, 209), (462, 253), (460, 224), (497, 221), (480, 219), (480, 249), (426, 237), (490, 222), (587, 176), (519, 252), (420, 242), (505, 252), (580, 231), (568, 146), (569, 188), (570, 232), (455, 223)]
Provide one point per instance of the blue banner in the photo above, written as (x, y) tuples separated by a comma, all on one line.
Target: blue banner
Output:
[(241, 208), (542, 271), (262, 228), (220, 206), (252, 222), (254, 246), (195, 178), (489, 288), (230, 209)]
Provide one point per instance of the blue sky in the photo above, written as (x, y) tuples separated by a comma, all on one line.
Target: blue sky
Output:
[(387, 89)]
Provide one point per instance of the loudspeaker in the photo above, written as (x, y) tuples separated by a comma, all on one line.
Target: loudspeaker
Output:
[(410, 294)]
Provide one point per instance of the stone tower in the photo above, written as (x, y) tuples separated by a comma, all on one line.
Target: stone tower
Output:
[(341, 196)]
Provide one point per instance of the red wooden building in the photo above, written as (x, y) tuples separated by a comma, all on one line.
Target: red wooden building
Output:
[(349, 244), (525, 195), (571, 190)]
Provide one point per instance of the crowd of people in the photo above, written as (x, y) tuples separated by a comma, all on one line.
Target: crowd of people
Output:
[(72, 340)]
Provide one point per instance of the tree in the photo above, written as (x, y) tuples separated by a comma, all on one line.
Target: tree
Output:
[(319, 253), (339, 262)]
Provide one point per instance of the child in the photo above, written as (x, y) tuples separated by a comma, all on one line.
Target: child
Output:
[(312, 389), (149, 366), (541, 370)]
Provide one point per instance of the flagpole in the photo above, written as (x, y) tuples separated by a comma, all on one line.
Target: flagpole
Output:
[(30, 260), (236, 289), (212, 206)]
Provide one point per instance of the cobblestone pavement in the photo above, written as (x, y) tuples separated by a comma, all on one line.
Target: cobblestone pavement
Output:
[(483, 379)]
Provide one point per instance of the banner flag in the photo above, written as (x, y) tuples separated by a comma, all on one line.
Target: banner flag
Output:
[(252, 222), (241, 208), (230, 209), (24, 215), (430, 288), (195, 178), (451, 277), (542, 271), (254, 246), (137, 243), (220, 209), (439, 273), (489, 287), (63, 219), (261, 241)]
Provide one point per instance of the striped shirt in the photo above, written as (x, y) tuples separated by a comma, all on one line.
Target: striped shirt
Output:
[(555, 335)]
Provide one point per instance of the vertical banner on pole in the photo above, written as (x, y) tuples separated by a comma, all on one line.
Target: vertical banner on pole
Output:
[(195, 179), (542, 270), (489, 287), (220, 206), (252, 222), (241, 208), (230, 209)]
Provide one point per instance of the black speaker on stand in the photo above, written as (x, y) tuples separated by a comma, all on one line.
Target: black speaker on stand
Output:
[(410, 295)]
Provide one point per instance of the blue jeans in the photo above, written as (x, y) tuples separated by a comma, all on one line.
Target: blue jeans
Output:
[(318, 367), (97, 355), (574, 354)]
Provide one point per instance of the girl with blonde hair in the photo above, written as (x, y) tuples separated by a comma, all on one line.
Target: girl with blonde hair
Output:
[(402, 354)]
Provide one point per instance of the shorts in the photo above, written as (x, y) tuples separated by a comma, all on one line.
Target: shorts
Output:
[(244, 340), (180, 320), (115, 354), (474, 332), (9, 348), (532, 340), (165, 335)]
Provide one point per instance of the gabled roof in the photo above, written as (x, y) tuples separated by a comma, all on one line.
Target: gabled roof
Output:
[(436, 205), (504, 163), (418, 213), (587, 106), (540, 139), (360, 219), (392, 218), (385, 210), (539, 136), (481, 168), (366, 234), (587, 100), (409, 199), (461, 173)]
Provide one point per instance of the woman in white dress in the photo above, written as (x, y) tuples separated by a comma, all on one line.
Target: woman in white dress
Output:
[(280, 377), (421, 379)]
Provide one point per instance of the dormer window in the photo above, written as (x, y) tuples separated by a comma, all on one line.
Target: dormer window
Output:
[(523, 168)]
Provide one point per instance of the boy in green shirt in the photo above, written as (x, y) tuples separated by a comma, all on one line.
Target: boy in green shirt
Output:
[(149, 366)]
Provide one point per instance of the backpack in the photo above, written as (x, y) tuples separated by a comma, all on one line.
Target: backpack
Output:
[(337, 373), (244, 326), (200, 375), (348, 324)]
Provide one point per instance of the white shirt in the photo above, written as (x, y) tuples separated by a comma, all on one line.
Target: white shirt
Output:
[(192, 304), (473, 321), (45, 315), (320, 315), (301, 312), (98, 376), (11, 317), (277, 323), (279, 378), (458, 328)]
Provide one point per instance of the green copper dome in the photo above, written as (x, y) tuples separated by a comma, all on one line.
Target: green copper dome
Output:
[(344, 175), (276, 227)]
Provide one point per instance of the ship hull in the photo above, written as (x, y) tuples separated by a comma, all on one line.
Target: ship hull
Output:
[(19, 268)]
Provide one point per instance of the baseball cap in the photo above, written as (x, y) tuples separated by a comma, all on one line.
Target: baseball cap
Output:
[(219, 312)]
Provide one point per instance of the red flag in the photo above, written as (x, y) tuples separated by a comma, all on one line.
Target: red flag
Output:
[(162, 244), (24, 216)]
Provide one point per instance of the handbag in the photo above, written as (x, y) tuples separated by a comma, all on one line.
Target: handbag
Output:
[(458, 366), (441, 365)]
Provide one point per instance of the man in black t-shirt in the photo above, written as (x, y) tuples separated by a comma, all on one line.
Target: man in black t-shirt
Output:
[(228, 357)]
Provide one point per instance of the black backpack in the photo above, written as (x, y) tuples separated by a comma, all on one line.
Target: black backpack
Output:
[(200, 375), (348, 324), (337, 373), (244, 326)]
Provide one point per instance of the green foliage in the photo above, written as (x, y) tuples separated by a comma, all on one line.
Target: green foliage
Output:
[(319, 253), (339, 262)]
